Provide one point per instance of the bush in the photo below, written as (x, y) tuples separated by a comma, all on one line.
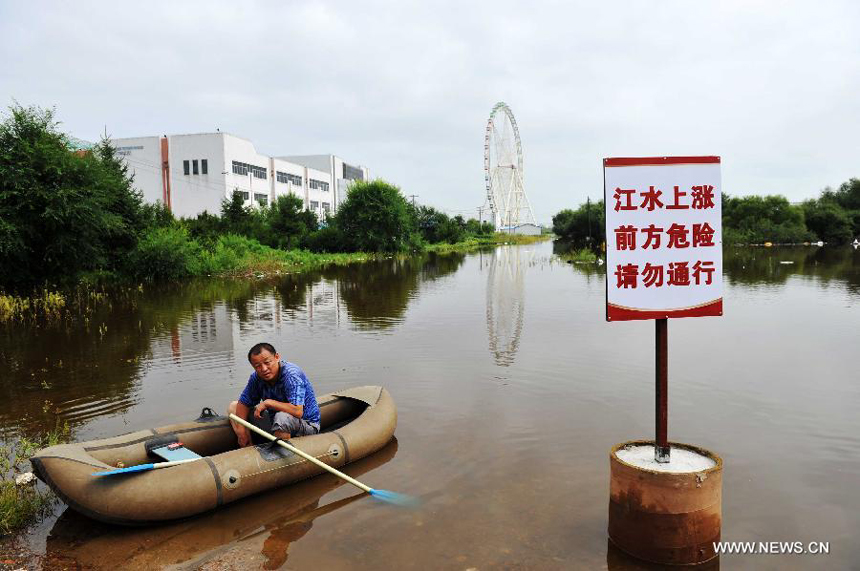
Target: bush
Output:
[(166, 254), (286, 223), (375, 218), (576, 226), (62, 213), (206, 228), (436, 227), (157, 215), (829, 221), (328, 239), (236, 218)]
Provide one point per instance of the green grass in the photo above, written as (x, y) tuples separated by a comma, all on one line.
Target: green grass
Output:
[(239, 256), (583, 256), (475, 242), (22, 505)]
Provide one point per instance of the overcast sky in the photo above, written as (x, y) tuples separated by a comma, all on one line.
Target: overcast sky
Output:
[(406, 88)]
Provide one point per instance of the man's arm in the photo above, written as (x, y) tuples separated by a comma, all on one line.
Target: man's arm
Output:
[(242, 433), (278, 406)]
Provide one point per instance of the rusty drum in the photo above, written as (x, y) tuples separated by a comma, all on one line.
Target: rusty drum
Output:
[(665, 517)]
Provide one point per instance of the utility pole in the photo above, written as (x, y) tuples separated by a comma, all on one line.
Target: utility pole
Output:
[(588, 215), (480, 215), (413, 196)]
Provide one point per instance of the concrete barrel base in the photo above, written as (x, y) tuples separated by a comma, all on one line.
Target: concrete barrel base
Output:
[(670, 518)]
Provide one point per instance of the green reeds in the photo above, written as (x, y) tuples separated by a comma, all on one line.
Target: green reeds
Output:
[(23, 504)]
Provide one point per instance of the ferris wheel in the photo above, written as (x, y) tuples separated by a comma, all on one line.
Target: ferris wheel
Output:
[(503, 170)]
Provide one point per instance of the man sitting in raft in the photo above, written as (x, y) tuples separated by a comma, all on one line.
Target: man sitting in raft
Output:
[(280, 396)]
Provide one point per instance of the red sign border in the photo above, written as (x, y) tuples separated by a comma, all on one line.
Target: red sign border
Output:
[(658, 161), (620, 313)]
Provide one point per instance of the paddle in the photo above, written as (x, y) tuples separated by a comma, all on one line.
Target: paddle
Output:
[(391, 497), (143, 467)]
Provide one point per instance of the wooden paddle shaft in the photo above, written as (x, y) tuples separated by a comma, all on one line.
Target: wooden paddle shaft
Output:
[(174, 462), (304, 455)]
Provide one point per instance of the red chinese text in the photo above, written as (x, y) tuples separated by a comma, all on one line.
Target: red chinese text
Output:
[(701, 197), (678, 274)]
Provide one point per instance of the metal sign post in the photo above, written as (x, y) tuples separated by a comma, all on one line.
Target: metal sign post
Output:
[(661, 448)]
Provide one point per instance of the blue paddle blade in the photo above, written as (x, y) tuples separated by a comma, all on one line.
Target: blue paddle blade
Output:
[(394, 498), (138, 468)]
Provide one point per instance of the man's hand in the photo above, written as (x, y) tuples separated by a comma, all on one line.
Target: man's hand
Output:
[(258, 410)]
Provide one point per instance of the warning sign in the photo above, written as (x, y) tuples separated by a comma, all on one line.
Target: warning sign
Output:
[(664, 254)]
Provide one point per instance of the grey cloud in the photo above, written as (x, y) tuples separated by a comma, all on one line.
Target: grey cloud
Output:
[(406, 87)]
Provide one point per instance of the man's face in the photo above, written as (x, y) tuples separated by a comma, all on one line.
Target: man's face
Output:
[(266, 365)]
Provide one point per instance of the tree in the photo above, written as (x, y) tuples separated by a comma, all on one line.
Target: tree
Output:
[(476, 228), (205, 228), (828, 220), (848, 197), (760, 219), (579, 225), (62, 212), (375, 218), (435, 226), (287, 223), (235, 216)]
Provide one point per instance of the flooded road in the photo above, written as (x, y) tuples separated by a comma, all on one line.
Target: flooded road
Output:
[(511, 388)]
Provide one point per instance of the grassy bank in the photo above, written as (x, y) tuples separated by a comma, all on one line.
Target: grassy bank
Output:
[(581, 256), (173, 255), (22, 504), (475, 243)]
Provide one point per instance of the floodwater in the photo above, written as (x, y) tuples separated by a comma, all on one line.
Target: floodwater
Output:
[(511, 388)]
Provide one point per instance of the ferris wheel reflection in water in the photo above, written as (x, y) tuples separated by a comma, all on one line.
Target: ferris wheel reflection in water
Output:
[(505, 301)]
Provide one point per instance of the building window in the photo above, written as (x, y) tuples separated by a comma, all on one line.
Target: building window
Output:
[(315, 205), (194, 166), (186, 167), (318, 185), (262, 199), (245, 168), (352, 173), (326, 206), (286, 177), (204, 166), (242, 193)]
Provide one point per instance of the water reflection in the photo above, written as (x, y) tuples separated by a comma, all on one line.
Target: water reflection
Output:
[(377, 294), (506, 301), (752, 266), (617, 560), (265, 526), (91, 366)]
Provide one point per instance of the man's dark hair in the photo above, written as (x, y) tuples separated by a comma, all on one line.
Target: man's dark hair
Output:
[(258, 348)]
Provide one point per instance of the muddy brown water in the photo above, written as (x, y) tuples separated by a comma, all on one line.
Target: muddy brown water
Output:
[(511, 389)]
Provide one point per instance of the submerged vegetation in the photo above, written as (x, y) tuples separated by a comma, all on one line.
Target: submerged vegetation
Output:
[(579, 256)]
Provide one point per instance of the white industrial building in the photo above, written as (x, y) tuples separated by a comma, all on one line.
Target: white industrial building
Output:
[(193, 173)]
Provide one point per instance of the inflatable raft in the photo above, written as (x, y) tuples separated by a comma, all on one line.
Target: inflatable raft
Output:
[(354, 423)]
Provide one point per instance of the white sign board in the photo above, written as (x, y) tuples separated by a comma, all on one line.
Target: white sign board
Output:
[(664, 237)]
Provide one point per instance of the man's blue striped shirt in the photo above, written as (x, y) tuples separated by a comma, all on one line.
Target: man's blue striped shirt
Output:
[(292, 386)]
